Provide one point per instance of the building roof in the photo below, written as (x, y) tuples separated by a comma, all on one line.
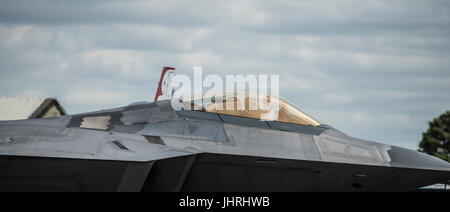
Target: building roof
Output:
[(16, 108)]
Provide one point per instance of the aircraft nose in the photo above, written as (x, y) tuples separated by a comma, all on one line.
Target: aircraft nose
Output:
[(406, 158), (418, 169)]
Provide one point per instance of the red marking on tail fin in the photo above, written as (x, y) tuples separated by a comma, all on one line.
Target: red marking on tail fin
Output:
[(159, 90)]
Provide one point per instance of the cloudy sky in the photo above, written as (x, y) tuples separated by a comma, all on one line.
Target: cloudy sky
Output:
[(377, 70)]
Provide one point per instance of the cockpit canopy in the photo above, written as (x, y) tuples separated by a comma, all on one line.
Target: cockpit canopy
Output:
[(250, 105)]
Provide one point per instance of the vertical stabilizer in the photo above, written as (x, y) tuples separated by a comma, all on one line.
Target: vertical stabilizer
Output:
[(165, 90)]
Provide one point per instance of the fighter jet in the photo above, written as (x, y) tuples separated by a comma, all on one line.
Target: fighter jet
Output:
[(154, 147)]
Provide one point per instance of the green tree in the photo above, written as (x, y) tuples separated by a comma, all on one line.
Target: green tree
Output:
[(435, 141)]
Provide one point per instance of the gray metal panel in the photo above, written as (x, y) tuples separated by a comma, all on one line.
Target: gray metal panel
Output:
[(195, 114), (273, 143), (309, 147), (304, 129), (409, 158), (244, 121), (202, 129), (150, 113), (343, 149), (326, 126), (147, 115), (54, 122), (134, 177)]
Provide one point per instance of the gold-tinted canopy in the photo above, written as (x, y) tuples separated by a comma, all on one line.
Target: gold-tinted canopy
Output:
[(250, 105)]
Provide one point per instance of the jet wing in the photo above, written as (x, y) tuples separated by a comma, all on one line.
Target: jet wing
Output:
[(51, 138)]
